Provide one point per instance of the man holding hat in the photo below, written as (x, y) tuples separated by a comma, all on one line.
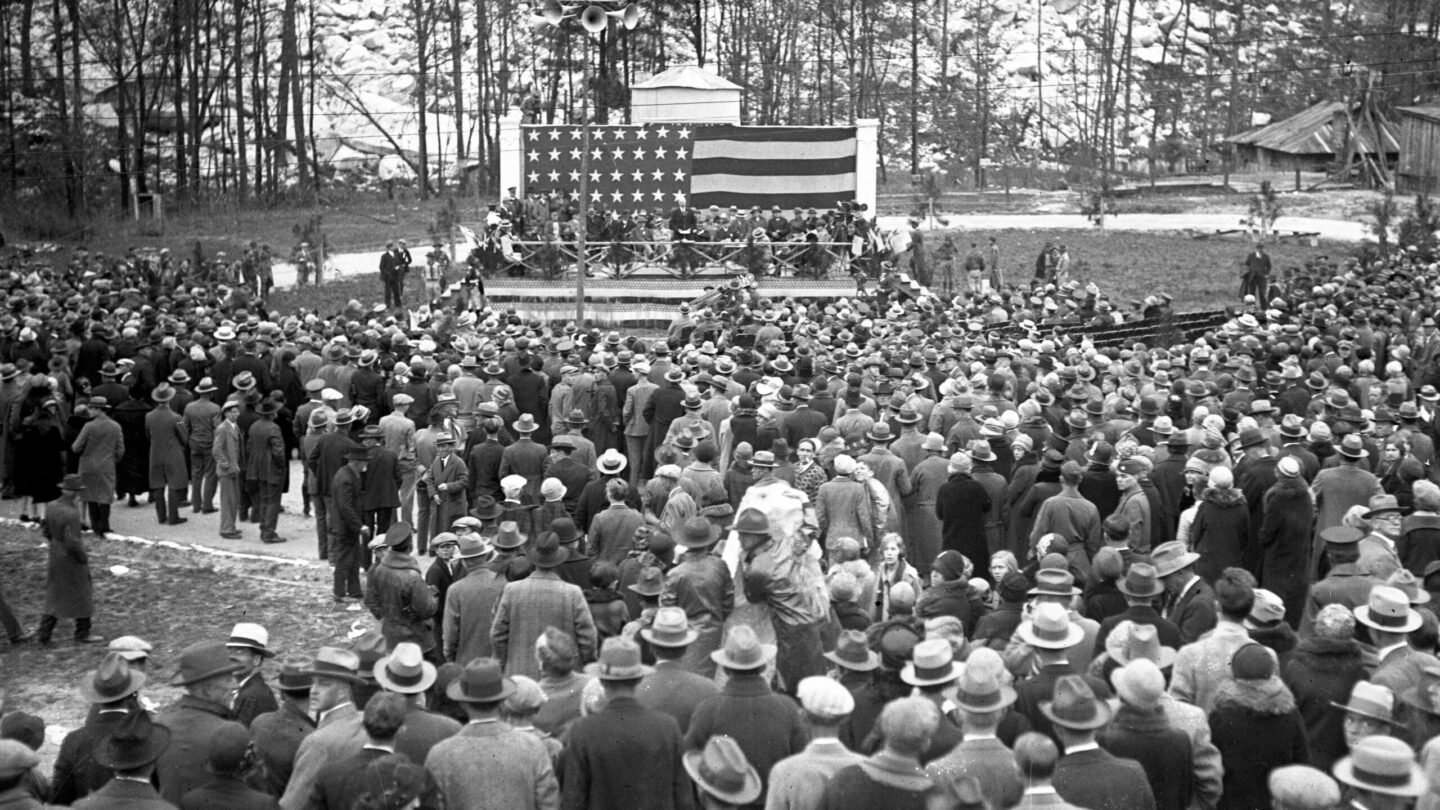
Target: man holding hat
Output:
[(130, 753), (111, 689), (100, 446), (168, 452), (470, 602), (69, 592), (207, 675), (338, 732), (517, 772), (277, 734), (267, 468), (627, 755), (672, 687), (248, 648), (397, 595)]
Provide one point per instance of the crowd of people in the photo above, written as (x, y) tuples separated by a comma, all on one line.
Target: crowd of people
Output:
[(886, 551)]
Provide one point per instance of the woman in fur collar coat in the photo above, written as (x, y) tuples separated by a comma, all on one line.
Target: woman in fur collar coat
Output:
[(1221, 530), (1257, 728)]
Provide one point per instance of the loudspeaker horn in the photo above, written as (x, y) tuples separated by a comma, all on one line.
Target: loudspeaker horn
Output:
[(628, 16), (553, 12), (593, 19)]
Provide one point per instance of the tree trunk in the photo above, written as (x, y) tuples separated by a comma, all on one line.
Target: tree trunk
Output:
[(457, 52), (63, 100), (177, 53), (237, 105), (423, 30), (27, 62)]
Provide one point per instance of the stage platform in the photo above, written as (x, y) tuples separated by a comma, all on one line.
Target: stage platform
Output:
[(639, 300)]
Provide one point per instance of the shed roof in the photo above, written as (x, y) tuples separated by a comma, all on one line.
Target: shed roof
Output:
[(689, 76), (1428, 111), (1312, 132)]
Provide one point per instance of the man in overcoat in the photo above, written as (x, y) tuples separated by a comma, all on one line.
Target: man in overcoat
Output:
[(266, 468), (168, 451), (100, 446), (68, 589)]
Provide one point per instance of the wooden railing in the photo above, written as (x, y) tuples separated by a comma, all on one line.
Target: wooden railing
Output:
[(618, 260)]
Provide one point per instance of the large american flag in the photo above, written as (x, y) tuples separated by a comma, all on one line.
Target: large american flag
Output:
[(651, 166)]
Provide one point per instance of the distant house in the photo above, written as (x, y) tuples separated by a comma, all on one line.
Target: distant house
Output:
[(1419, 169), (1308, 141)]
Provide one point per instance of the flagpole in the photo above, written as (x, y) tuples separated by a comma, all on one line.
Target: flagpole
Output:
[(584, 209)]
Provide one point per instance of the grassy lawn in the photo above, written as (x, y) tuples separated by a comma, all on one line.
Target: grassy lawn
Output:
[(167, 597), (1199, 273)]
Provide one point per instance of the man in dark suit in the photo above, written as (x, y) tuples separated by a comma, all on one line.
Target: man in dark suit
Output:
[(111, 688), (208, 677), (248, 648), (666, 404), (627, 755), (277, 735), (347, 500), (390, 276), (130, 751), (982, 701), (671, 688), (383, 479), (228, 762), (266, 468), (1141, 587), (339, 783), (1089, 776), (1051, 633), (1256, 280), (1189, 602)]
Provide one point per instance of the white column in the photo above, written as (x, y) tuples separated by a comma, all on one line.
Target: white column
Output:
[(510, 147), (867, 159)]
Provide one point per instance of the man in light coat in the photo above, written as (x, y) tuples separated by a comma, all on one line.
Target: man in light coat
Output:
[(200, 418), (541, 600), (100, 446), (338, 733), (470, 603), (226, 454)]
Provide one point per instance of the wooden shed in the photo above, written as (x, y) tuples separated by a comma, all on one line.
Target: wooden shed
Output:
[(1419, 167), (1308, 141), (688, 94)]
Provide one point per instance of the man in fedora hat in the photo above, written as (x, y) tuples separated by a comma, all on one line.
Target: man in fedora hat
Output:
[(277, 735), (665, 405), (100, 446), (338, 732), (384, 477), (672, 687), (200, 417), (525, 456), (1088, 775), (1050, 632), (111, 688), (1338, 488), (723, 777), (1142, 731), (345, 499), (626, 750), (1381, 772), (1142, 589), (1391, 619), (889, 470), (447, 483), (767, 726), (1189, 603), (844, 507), (396, 594), (982, 699), (1344, 584), (130, 752), (69, 592), (248, 648), (518, 772), (168, 453), (227, 453), (324, 462), (702, 586), (267, 468), (406, 673), (470, 602), (541, 600), (207, 675), (1378, 556)]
